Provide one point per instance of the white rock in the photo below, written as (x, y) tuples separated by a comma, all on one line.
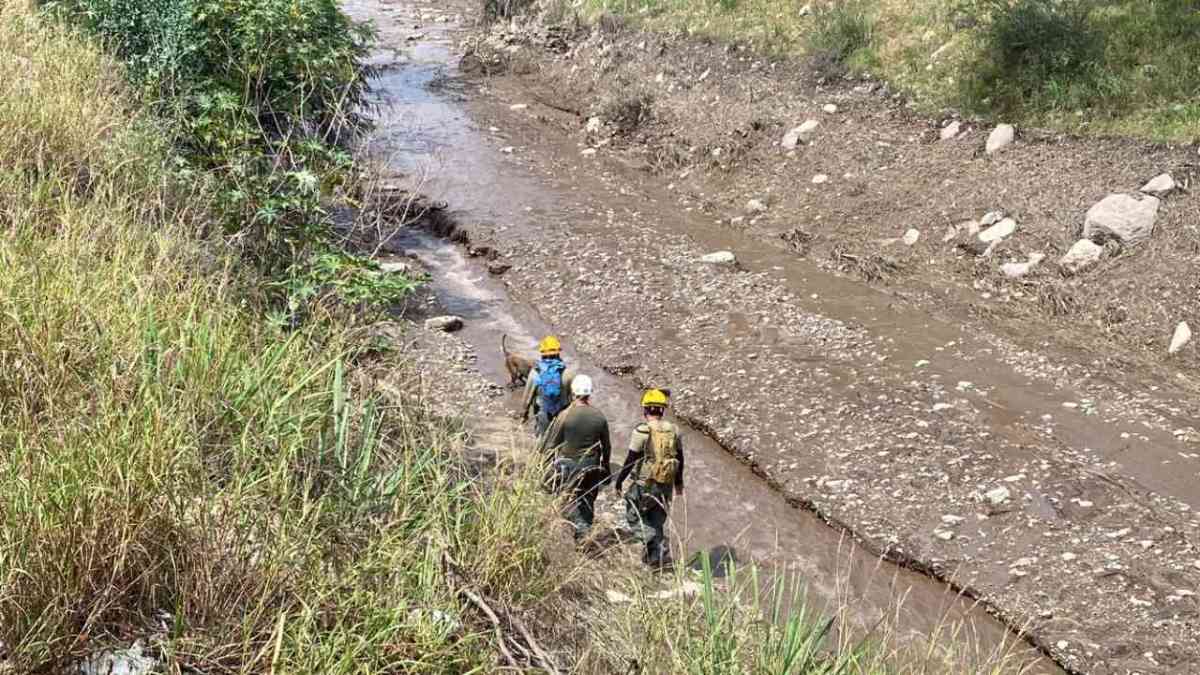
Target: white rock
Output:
[(1068, 556), (998, 495), (756, 206), (1018, 270), (508, 149), (719, 258), (991, 218), (397, 268), (447, 324), (616, 597), (820, 179), (119, 662), (1082, 254), (518, 106), (1183, 335), (952, 520), (1160, 186), (939, 407), (1024, 562), (588, 152), (944, 535), (805, 10), (594, 125), (801, 134), (1000, 138), (1125, 217), (912, 236), (1062, 644), (829, 108), (950, 130), (999, 231)]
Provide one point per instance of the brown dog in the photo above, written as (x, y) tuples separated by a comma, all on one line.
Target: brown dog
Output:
[(518, 367)]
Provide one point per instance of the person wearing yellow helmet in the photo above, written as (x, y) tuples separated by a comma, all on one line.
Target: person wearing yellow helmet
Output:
[(547, 389), (656, 455)]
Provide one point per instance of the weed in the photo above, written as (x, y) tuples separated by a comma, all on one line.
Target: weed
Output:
[(840, 33)]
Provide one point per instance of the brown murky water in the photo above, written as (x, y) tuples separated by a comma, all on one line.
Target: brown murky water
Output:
[(425, 130)]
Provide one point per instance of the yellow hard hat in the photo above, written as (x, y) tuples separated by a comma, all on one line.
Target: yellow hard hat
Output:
[(549, 346), (654, 397)]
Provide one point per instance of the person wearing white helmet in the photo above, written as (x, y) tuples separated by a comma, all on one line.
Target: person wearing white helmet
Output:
[(579, 449)]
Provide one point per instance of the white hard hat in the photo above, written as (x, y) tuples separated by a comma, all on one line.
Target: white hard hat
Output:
[(581, 386)]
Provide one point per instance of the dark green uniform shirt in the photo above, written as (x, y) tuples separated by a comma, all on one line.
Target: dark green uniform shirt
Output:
[(580, 430)]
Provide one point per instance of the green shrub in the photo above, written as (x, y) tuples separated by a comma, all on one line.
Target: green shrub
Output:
[(841, 31), (1045, 54)]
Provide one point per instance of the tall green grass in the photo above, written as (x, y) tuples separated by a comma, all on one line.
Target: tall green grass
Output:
[(175, 468)]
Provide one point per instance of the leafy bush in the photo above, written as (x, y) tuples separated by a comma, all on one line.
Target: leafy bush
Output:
[(841, 30), (261, 94), (1044, 53)]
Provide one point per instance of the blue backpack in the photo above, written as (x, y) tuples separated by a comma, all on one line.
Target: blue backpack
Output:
[(550, 383)]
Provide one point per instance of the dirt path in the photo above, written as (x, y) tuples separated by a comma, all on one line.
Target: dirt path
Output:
[(1061, 498)]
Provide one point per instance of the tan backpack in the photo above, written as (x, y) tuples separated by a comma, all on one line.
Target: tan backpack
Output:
[(662, 459)]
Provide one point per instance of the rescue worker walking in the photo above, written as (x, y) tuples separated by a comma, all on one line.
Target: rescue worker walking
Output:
[(547, 387), (656, 455), (581, 450)]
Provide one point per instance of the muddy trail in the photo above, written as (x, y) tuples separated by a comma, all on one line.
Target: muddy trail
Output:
[(975, 461)]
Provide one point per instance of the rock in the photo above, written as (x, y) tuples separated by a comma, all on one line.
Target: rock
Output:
[(719, 258), (756, 206), (1000, 138), (912, 236), (820, 178), (497, 267), (1018, 270), (805, 10), (998, 232), (508, 149), (952, 520), (119, 662), (398, 268), (998, 495), (1082, 254), (1183, 335), (951, 234), (829, 108), (518, 106), (588, 152), (1160, 186), (1068, 556), (950, 130), (1124, 217), (446, 324), (616, 597), (721, 560), (991, 218), (594, 125), (944, 535), (801, 134)]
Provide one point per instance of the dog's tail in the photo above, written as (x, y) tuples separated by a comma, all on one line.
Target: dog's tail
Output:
[(503, 345)]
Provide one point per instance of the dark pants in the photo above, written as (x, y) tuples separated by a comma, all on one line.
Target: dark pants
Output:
[(646, 510), (582, 479)]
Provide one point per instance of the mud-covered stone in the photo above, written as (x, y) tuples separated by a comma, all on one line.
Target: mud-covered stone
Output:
[(446, 324)]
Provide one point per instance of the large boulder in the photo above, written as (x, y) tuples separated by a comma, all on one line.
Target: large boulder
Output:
[(1000, 138), (1128, 218), (1082, 255)]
